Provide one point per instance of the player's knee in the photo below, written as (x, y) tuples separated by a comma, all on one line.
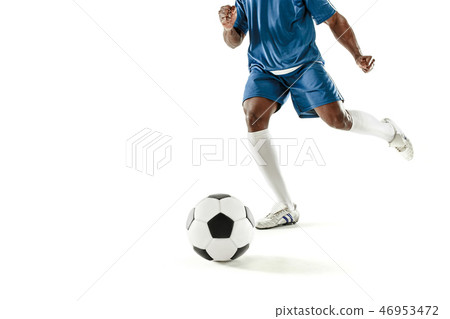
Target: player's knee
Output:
[(252, 115), (256, 117)]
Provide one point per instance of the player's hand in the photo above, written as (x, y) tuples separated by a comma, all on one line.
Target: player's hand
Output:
[(227, 16), (365, 62)]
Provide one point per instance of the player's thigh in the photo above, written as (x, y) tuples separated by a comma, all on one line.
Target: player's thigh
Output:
[(311, 87), (260, 107), (264, 94)]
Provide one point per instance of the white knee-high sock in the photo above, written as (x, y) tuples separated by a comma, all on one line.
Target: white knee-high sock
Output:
[(271, 170), (364, 123)]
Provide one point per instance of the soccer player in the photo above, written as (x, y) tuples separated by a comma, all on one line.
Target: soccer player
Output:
[(284, 59)]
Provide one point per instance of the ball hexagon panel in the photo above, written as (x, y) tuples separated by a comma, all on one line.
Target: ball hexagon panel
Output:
[(190, 218), (220, 226), (233, 208), (199, 234), (242, 232), (207, 209), (221, 249)]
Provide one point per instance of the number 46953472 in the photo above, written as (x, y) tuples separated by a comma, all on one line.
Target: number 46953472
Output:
[(409, 310)]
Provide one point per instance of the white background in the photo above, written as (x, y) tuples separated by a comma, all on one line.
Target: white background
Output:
[(77, 229)]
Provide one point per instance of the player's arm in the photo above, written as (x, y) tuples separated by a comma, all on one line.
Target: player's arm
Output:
[(233, 37), (343, 32)]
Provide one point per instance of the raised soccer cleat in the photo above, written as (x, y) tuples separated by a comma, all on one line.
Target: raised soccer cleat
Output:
[(400, 142), (280, 215)]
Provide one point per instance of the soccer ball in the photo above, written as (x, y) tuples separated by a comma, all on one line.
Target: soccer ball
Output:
[(220, 227)]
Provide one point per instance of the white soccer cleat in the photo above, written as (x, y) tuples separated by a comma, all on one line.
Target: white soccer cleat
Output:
[(280, 215), (400, 142)]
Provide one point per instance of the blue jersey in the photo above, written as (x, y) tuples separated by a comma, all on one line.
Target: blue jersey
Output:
[(282, 33)]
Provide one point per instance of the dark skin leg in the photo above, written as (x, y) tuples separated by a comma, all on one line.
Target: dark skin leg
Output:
[(335, 115), (258, 111)]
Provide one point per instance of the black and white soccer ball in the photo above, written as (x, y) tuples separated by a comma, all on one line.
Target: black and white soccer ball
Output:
[(220, 227)]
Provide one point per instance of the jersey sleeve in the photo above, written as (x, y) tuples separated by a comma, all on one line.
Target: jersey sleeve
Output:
[(241, 20), (321, 10)]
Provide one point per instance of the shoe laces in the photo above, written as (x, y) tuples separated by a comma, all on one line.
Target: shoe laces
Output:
[(403, 147), (278, 213)]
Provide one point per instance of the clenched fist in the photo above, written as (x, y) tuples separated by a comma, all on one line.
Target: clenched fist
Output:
[(365, 62), (227, 16)]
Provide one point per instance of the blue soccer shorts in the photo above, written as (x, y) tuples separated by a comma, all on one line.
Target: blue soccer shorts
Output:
[(310, 86)]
